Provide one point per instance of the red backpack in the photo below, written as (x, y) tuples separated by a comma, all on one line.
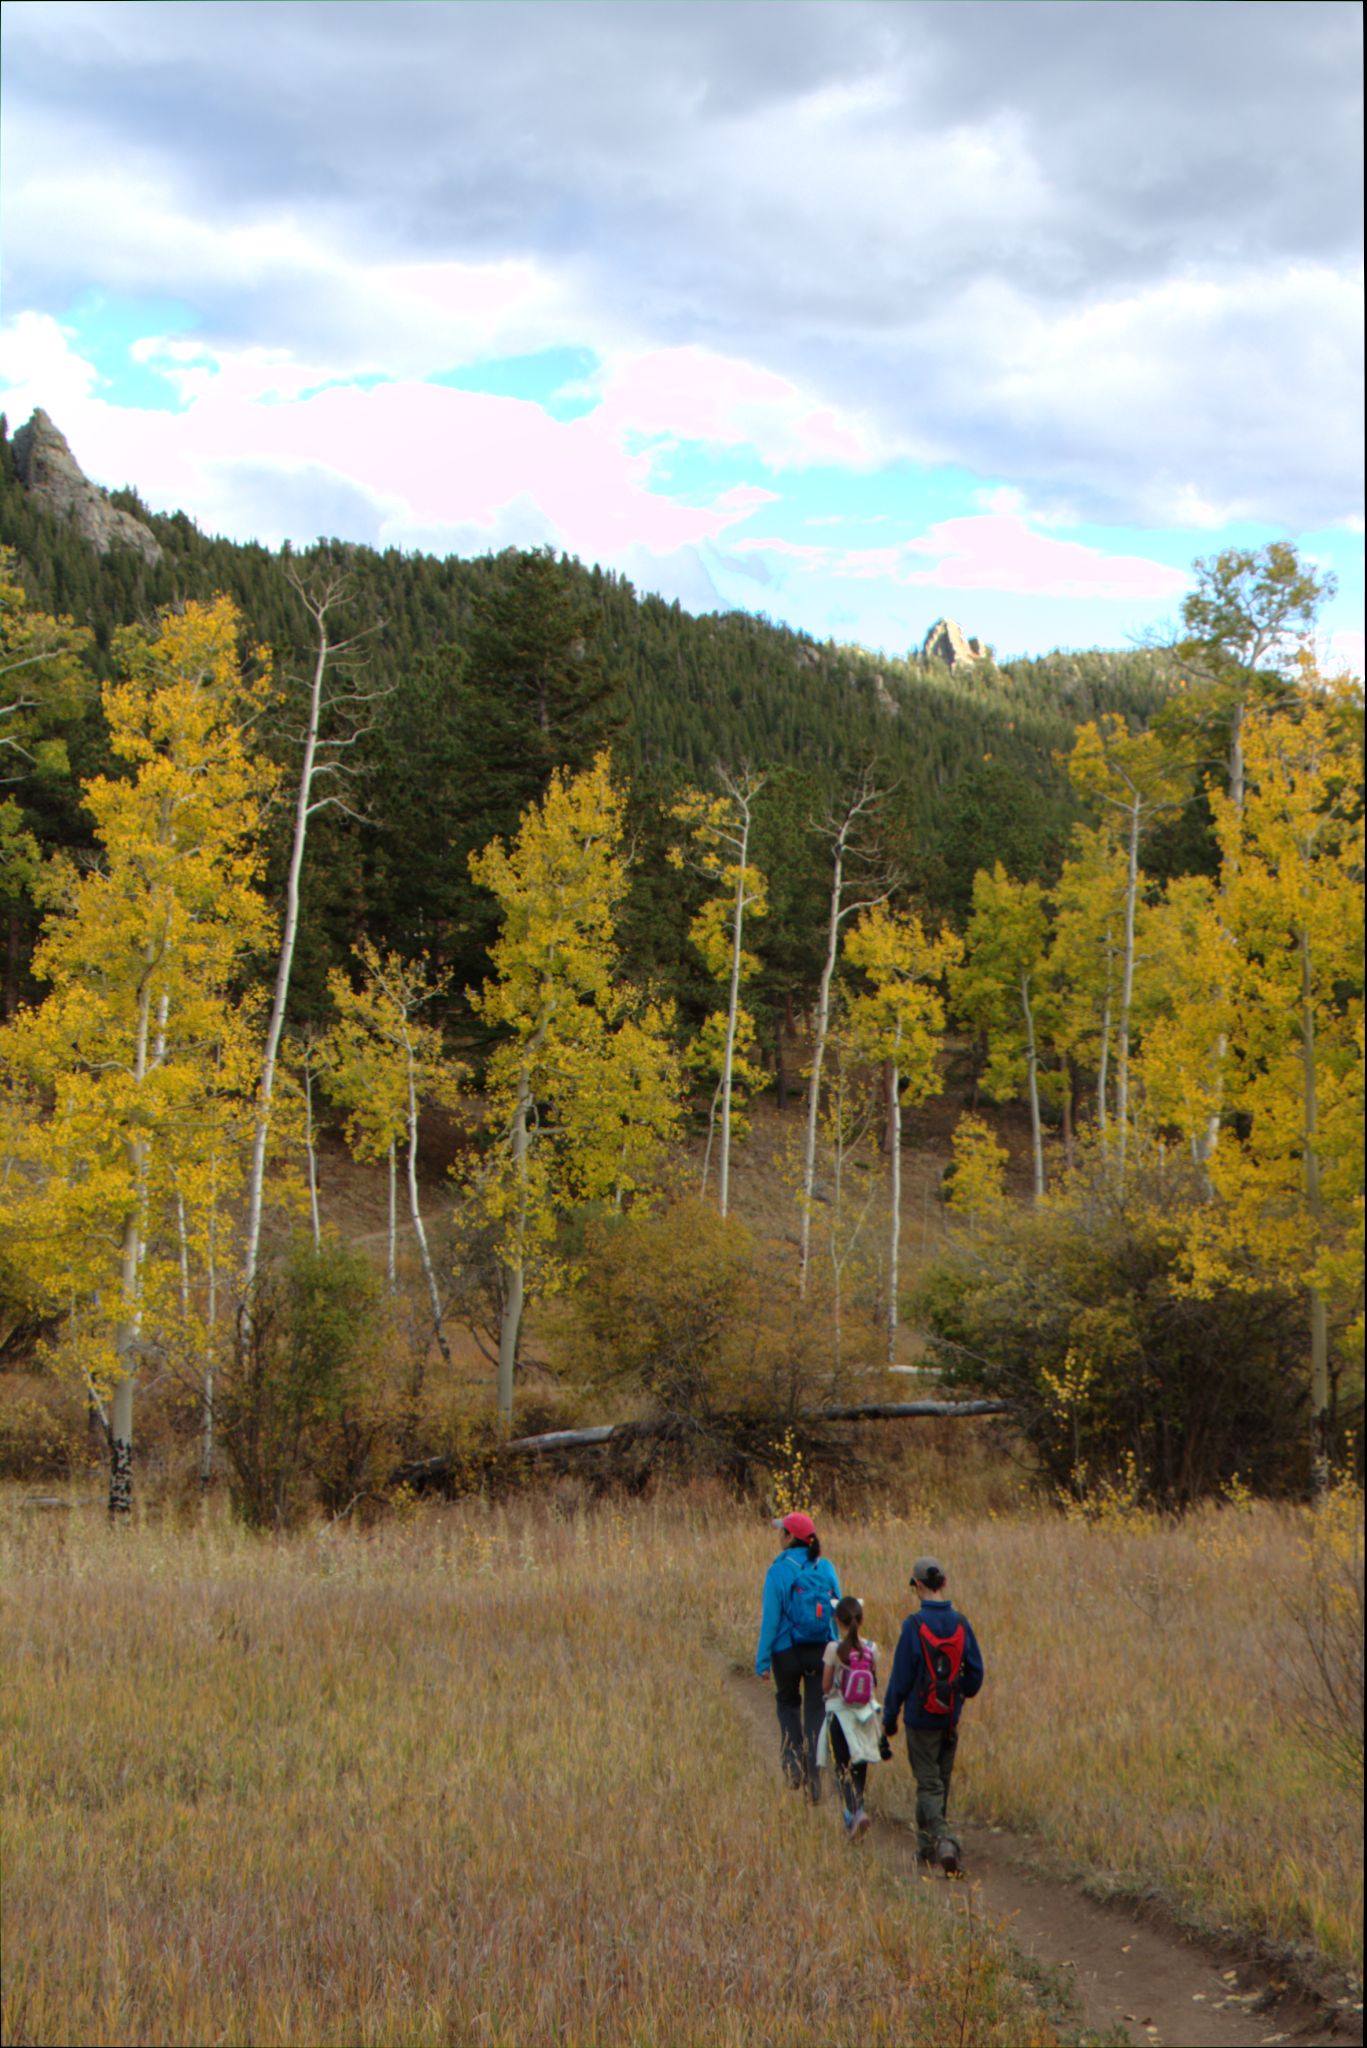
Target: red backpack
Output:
[(942, 1660)]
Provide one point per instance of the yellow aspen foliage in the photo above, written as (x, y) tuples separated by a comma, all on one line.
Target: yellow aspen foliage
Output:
[(583, 1089), (1289, 1191), (383, 1063), (978, 1186), (1191, 963), (900, 1018), (1131, 779), (1000, 987), (140, 953), (1084, 962)]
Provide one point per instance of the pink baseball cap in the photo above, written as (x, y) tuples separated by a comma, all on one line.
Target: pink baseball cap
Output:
[(799, 1525)]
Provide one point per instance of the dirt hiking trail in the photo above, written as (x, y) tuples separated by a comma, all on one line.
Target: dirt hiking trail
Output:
[(1132, 1978)]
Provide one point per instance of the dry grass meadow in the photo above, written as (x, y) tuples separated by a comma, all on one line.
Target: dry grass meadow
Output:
[(479, 1776)]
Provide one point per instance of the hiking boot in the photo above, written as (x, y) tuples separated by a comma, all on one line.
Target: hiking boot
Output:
[(860, 1825), (947, 1856)]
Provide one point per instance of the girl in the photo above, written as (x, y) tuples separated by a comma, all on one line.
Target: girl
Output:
[(853, 1731)]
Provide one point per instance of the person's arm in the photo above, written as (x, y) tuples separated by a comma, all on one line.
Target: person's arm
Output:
[(971, 1676), (770, 1616), (903, 1677), (828, 1664)]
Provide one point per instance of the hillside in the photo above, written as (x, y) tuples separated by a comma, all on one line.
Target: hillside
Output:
[(966, 747)]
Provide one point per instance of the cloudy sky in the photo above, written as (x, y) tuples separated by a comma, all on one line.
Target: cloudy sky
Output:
[(849, 313)]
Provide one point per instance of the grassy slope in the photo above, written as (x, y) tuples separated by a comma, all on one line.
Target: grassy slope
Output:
[(472, 1780)]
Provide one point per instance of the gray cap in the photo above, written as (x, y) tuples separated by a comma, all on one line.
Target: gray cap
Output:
[(929, 1571)]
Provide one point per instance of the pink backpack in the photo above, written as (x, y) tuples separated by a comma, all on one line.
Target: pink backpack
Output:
[(856, 1678)]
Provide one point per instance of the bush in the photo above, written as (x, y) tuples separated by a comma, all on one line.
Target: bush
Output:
[(683, 1310), (1076, 1313), (305, 1412), (44, 1432)]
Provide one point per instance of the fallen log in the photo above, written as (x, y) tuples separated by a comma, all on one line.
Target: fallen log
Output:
[(424, 1471)]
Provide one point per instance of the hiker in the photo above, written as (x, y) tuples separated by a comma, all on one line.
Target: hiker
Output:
[(937, 1667), (853, 1729), (797, 1622)]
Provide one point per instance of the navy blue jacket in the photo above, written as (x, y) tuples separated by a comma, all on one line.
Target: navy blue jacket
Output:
[(775, 1628), (905, 1683)]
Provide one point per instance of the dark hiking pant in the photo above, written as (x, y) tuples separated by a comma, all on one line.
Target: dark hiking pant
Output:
[(930, 1752), (801, 1711), (849, 1777)]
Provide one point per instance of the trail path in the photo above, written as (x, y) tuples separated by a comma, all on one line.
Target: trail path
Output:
[(1132, 1978)]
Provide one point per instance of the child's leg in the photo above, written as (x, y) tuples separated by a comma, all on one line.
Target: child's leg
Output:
[(848, 1779)]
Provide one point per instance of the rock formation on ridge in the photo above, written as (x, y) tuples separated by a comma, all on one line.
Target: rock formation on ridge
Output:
[(46, 466), (947, 642)]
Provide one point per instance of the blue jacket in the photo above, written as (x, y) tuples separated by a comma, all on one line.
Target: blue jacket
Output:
[(904, 1685), (775, 1628)]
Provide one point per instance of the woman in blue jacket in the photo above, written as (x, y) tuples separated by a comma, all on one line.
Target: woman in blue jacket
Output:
[(798, 1620)]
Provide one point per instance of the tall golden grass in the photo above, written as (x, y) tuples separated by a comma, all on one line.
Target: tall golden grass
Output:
[(478, 1775), (473, 1778)]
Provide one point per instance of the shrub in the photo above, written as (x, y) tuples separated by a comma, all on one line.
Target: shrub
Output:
[(304, 1411), (1323, 1623), (1076, 1313), (44, 1432), (683, 1308)]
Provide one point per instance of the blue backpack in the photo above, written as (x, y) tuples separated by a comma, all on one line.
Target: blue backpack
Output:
[(807, 1605)]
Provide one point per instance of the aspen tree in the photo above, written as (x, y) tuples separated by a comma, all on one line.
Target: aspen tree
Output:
[(321, 785), (577, 1103), (900, 1019), (998, 987), (978, 1188), (1246, 621), (846, 851), (1192, 967), (1084, 961), (140, 953), (1133, 779), (720, 829), (383, 1063), (1290, 1192)]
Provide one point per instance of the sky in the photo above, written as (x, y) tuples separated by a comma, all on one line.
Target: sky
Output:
[(850, 314)]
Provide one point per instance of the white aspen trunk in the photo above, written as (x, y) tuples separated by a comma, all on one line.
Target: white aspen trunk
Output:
[(895, 1192), (1032, 1076), (415, 1210), (206, 1445), (837, 1204), (256, 1179), (711, 1134), (1319, 1318), (312, 1153), (514, 1275), (183, 1237), (1103, 1063), (129, 1326), (732, 1007), (823, 1020), (1210, 1137), (1122, 1055), (392, 1242)]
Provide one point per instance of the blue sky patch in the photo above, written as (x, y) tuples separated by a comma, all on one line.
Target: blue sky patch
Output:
[(542, 379), (103, 329)]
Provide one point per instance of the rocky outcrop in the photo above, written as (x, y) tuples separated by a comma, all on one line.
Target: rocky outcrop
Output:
[(46, 466), (947, 642)]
